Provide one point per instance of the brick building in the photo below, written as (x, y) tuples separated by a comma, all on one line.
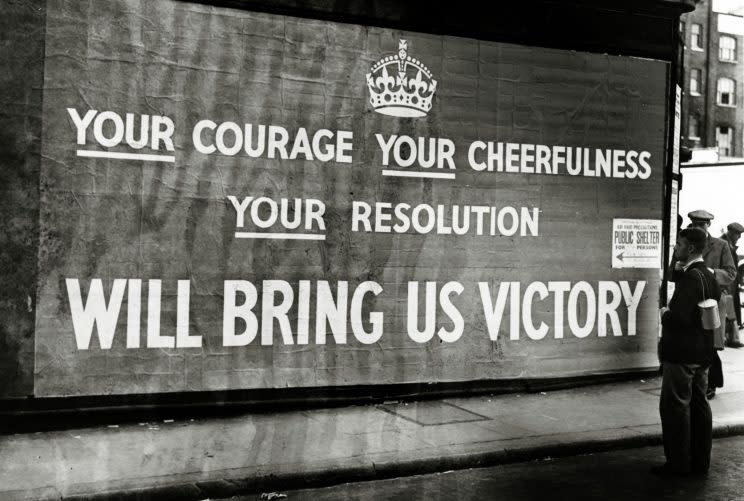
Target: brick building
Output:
[(713, 102)]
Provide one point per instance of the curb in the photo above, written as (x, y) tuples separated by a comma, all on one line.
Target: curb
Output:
[(222, 488)]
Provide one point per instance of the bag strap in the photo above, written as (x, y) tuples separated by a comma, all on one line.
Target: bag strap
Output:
[(702, 282)]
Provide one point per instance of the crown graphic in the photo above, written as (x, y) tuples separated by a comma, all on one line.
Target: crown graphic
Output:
[(401, 86)]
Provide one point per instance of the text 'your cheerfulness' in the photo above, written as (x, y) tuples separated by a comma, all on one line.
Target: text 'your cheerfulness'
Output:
[(151, 138), (280, 312)]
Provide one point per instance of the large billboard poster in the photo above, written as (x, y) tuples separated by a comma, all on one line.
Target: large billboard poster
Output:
[(238, 200)]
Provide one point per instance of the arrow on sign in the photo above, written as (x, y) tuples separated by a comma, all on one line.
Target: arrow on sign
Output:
[(620, 257)]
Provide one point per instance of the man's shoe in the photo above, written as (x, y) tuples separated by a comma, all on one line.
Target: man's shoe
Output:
[(711, 393), (736, 345), (663, 470)]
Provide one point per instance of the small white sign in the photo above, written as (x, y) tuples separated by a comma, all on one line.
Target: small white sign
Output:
[(636, 243), (677, 126), (673, 230), (674, 208)]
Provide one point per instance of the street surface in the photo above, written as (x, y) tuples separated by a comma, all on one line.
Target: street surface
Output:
[(619, 475)]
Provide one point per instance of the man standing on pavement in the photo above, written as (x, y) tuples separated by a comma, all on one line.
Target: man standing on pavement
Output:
[(686, 352), (718, 259), (733, 232)]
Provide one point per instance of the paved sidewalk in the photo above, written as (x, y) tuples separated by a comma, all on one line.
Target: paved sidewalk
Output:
[(197, 459)]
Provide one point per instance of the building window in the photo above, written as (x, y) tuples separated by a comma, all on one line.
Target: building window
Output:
[(696, 36), (727, 48), (695, 78), (726, 95), (724, 140), (694, 127)]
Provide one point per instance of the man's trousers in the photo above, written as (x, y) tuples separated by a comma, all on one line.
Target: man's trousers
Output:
[(686, 420)]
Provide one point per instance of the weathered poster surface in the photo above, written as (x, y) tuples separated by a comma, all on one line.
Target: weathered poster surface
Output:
[(237, 200)]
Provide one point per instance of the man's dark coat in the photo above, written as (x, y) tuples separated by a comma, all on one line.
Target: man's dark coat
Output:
[(684, 340)]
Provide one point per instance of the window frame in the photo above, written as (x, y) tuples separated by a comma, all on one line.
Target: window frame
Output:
[(696, 118), (720, 93), (699, 73), (728, 50), (729, 136), (696, 37)]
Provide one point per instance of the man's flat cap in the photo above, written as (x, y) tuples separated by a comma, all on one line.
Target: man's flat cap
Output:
[(700, 215), (736, 227)]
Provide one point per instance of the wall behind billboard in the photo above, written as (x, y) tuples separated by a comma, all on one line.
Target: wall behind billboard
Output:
[(234, 200), (21, 78)]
